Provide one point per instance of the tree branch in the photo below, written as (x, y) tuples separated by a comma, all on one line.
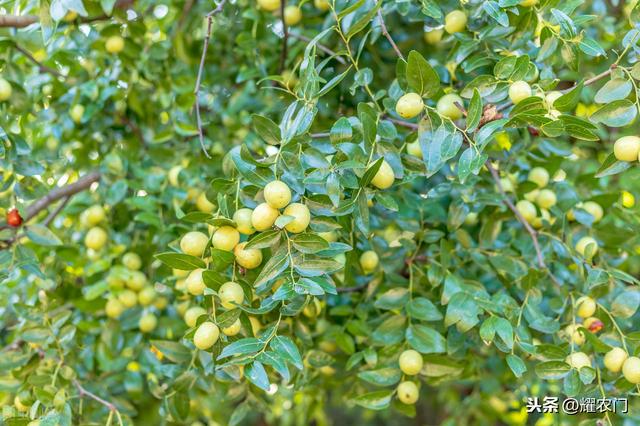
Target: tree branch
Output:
[(16, 21), (203, 58), (41, 66), (353, 289), (383, 27), (285, 39), (322, 47), (57, 193)]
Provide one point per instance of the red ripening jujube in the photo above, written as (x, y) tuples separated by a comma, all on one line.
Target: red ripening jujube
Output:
[(13, 218)]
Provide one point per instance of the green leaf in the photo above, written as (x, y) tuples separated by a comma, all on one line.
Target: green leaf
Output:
[(393, 299), (425, 339), (626, 304), (612, 166), (381, 377), (552, 370), (369, 174), (181, 261), (267, 129), (248, 345), (516, 364), (493, 10), (264, 240), (288, 350), (421, 77), (569, 100), (378, 400), (40, 234), (257, 375), (174, 351), (309, 243), (462, 311), (613, 90), (423, 309), (474, 113), (274, 267), (615, 114)]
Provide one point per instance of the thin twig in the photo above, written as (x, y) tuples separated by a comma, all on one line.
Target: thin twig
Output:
[(322, 47), (383, 27), (207, 36), (532, 232), (15, 21), (41, 66), (82, 392), (57, 193), (57, 211), (351, 289), (285, 39)]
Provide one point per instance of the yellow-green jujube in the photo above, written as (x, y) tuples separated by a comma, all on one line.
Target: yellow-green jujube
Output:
[(576, 336), (410, 362), (369, 261), (329, 236), (147, 323), (128, 298), (322, 5), (96, 238), (263, 217), (586, 307), (114, 44), (414, 149), (5, 90), (136, 280), (585, 242), (578, 360), (206, 335), (93, 215), (631, 369), (539, 176), (203, 204), (384, 177), (195, 283), (76, 113), (242, 218), (230, 293), (248, 259), (627, 148), (233, 329), (225, 238), (408, 392), (313, 308), (527, 210), (546, 199), (551, 97), (132, 261), (528, 3), (614, 359), (113, 308), (194, 243), (146, 296), (455, 21), (594, 209), (292, 15), (447, 107), (277, 194), (518, 91), (409, 105), (433, 36), (301, 217), (628, 200), (174, 175), (192, 314)]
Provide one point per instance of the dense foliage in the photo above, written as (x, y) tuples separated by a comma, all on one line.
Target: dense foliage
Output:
[(368, 210)]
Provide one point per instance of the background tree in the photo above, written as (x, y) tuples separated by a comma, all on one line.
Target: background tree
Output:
[(382, 211)]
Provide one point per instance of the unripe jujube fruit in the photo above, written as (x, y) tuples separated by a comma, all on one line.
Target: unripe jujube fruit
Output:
[(114, 44), (631, 369), (242, 218), (233, 329), (113, 308), (203, 204), (414, 149), (539, 176), (433, 36), (128, 298), (206, 335), (455, 22), (93, 215), (586, 307), (132, 261), (277, 194), (96, 238), (229, 293), (301, 216), (546, 199), (192, 314), (410, 362), (292, 15), (583, 243), (527, 210), (627, 148), (76, 113), (384, 177), (594, 209), (225, 238), (409, 105), (136, 280), (575, 334), (5, 90), (447, 107), (263, 217), (408, 392), (195, 283), (248, 259), (147, 323), (369, 261), (146, 296), (518, 91), (614, 359), (194, 243), (578, 360)]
